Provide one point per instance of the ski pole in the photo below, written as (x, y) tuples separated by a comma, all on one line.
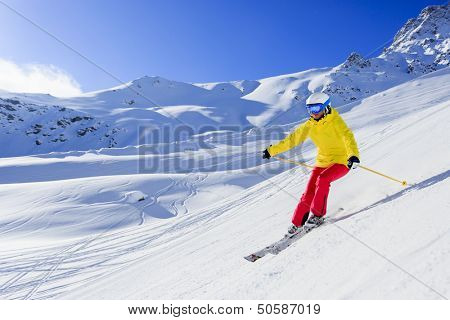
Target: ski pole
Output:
[(404, 183), (295, 162)]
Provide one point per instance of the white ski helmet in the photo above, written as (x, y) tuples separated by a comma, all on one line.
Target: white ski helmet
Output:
[(317, 102), (318, 98)]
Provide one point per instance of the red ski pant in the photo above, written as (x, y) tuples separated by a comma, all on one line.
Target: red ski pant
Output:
[(314, 198)]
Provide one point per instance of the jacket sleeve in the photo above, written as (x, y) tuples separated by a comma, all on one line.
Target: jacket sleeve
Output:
[(347, 136), (295, 138)]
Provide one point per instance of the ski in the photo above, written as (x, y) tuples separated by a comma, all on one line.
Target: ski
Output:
[(280, 245), (290, 240)]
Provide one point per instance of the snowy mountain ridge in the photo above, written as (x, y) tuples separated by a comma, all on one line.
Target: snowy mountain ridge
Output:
[(149, 103), (426, 35), (50, 125)]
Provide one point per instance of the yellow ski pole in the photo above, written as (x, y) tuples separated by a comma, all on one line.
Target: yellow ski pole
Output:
[(295, 162), (404, 183)]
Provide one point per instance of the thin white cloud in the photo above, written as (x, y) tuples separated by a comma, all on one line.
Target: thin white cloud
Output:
[(37, 78)]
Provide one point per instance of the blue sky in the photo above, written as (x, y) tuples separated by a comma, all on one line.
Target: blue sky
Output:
[(196, 40)]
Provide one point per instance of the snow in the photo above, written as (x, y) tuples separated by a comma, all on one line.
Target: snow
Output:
[(87, 225)]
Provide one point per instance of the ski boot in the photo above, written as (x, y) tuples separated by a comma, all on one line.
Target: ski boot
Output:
[(314, 221), (292, 231)]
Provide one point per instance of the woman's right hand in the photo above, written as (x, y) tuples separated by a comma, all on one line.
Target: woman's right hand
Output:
[(266, 154)]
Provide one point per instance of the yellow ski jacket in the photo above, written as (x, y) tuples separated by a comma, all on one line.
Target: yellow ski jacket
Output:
[(334, 140)]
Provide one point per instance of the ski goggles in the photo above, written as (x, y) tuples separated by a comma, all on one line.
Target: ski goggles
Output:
[(317, 107)]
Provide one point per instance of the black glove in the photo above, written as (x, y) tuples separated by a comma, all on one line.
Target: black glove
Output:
[(353, 162), (266, 154)]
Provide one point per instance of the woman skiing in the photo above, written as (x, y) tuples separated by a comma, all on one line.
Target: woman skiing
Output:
[(337, 154)]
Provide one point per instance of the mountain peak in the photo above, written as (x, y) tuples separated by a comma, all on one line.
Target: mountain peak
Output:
[(357, 60), (429, 29), (149, 79), (424, 41)]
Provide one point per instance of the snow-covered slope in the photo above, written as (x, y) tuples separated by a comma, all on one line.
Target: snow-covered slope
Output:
[(88, 225), (420, 46), (27, 128)]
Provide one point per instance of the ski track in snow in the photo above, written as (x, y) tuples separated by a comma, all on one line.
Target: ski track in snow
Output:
[(97, 254)]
